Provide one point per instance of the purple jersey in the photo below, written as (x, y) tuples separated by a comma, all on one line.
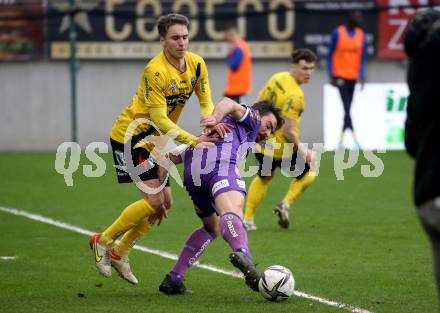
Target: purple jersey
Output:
[(209, 172)]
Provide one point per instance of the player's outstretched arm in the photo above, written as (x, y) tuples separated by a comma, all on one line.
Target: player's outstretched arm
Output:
[(224, 107), (159, 117)]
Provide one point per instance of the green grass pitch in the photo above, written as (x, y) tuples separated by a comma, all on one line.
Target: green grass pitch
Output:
[(356, 241)]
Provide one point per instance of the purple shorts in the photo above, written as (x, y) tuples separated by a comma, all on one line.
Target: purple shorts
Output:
[(205, 187)]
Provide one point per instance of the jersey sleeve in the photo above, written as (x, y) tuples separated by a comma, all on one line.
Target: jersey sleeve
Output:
[(154, 88), (251, 119), (203, 90), (235, 58), (159, 117)]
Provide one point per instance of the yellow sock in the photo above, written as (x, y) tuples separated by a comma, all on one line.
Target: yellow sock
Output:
[(130, 238), (297, 187), (130, 217), (257, 190)]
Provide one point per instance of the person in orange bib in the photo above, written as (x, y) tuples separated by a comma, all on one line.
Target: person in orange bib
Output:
[(239, 75), (346, 60)]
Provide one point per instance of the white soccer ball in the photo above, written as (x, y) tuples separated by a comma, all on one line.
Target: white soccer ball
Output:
[(276, 283)]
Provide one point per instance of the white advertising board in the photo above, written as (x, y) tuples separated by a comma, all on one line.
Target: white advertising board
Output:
[(378, 112)]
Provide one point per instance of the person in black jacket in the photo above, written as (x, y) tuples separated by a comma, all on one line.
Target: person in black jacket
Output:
[(422, 127)]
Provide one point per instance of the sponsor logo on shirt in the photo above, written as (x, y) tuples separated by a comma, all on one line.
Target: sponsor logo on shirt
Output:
[(220, 185), (173, 86), (120, 158)]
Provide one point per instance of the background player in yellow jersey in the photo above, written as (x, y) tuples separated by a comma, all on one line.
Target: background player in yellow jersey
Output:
[(284, 90), (166, 84)]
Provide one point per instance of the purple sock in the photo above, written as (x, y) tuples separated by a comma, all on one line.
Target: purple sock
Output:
[(233, 232), (194, 247)]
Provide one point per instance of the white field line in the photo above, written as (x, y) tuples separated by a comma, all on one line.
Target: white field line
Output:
[(171, 256)]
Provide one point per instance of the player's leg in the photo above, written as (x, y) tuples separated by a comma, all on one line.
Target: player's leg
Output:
[(344, 92), (429, 215), (119, 254), (133, 214), (347, 91), (229, 205), (150, 202), (435, 242), (194, 247), (256, 192), (346, 97), (351, 84), (296, 188), (101, 244)]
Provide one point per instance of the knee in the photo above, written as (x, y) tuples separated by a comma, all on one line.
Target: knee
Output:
[(213, 230), (156, 201), (311, 176), (168, 202), (265, 180), (212, 226)]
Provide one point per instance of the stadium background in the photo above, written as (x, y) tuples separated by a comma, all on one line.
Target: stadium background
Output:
[(35, 74)]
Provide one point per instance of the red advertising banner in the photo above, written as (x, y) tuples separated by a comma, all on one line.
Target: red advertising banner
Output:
[(21, 30), (393, 23)]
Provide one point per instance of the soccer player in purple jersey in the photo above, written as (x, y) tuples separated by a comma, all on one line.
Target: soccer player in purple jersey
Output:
[(213, 181)]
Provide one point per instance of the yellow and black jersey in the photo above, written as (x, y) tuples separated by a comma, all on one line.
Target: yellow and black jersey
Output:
[(287, 95), (160, 98)]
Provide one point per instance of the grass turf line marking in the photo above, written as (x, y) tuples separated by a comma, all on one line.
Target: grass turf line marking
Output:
[(7, 258), (171, 256)]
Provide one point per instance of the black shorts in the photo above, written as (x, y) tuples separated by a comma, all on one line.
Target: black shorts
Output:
[(268, 167), (139, 156)]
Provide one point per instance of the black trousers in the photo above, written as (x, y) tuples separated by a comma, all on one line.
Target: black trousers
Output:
[(429, 215), (346, 90)]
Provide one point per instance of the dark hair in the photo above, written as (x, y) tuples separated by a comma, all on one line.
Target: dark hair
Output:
[(266, 107), (166, 21), (422, 32), (229, 26), (303, 54), (355, 18)]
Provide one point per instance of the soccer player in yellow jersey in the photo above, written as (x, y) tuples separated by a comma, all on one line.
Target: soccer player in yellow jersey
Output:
[(284, 89), (166, 84)]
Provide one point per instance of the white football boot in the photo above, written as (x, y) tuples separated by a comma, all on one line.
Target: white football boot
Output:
[(282, 211), (122, 265), (249, 225), (101, 255)]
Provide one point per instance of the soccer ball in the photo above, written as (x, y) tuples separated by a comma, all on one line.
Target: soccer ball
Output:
[(276, 283)]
